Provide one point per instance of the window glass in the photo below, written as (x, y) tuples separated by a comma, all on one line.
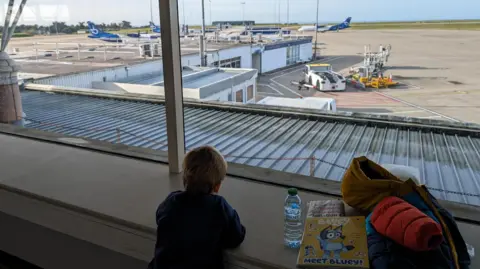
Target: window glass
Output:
[(250, 93), (239, 96), (417, 70)]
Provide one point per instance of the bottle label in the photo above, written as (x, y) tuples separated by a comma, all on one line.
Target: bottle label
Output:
[(293, 212)]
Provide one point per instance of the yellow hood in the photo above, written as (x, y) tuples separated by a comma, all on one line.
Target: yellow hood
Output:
[(366, 183)]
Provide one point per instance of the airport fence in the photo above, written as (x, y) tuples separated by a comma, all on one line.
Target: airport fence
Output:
[(92, 51), (117, 73)]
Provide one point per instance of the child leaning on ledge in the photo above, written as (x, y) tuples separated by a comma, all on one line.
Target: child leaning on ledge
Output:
[(195, 226)]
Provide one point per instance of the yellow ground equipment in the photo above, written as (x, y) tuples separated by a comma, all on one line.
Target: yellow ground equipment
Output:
[(377, 83), (373, 82)]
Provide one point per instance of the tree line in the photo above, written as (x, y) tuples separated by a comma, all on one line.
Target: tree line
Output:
[(62, 27)]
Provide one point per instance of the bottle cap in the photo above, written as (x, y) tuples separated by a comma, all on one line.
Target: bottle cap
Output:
[(292, 191)]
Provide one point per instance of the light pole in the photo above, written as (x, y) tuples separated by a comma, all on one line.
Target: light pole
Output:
[(275, 13), (243, 11), (203, 55), (151, 11), (183, 12), (210, 3), (316, 35), (279, 13), (288, 12)]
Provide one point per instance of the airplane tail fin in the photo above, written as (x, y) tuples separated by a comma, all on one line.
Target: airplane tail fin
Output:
[(154, 27), (93, 28), (348, 20)]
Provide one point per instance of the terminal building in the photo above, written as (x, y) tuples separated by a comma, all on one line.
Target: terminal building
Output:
[(230, 75), (233, 23)]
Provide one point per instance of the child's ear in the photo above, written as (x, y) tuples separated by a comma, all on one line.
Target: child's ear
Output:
[(217, 188)]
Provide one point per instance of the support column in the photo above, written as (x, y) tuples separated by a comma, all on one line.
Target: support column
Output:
[(10, 101), (172, 70), (11, 110)]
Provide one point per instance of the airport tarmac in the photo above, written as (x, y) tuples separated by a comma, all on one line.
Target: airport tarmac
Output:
[(438, 70)]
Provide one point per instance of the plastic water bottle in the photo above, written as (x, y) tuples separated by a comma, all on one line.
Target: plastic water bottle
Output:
[(293, 229)]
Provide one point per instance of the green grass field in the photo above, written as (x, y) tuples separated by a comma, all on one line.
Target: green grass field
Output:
[(470, 25), (20, 35), (129, 31)]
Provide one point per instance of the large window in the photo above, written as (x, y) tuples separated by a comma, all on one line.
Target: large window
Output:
[(229, 63), (250, 93), (121, 53), (293, 54)]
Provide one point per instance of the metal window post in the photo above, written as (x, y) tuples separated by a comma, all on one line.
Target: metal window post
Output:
[(172, 70)]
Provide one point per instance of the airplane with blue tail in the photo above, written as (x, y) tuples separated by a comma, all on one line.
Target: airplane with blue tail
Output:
[(327, 28), (155, 28), (97, 33)]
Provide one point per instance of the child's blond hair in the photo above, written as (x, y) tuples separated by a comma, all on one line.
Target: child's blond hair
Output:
[(204, 168)]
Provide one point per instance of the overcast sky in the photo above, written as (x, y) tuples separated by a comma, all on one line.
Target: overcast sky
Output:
[(302, 11)]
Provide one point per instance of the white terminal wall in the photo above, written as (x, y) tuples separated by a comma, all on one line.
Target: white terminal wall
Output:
[(232, 91), (274, 59), (306, 52), (244, 52)]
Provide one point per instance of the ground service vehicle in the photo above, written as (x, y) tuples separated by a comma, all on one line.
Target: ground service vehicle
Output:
[(322, 77)]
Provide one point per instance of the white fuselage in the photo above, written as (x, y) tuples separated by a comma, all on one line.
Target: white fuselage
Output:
[(311, 28)]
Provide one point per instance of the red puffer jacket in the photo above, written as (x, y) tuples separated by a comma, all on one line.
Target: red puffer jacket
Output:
[(405, 224)]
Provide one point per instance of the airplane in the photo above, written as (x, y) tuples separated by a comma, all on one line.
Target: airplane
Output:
[(100, 34), (326, 28), (154, 28), (157, 29)]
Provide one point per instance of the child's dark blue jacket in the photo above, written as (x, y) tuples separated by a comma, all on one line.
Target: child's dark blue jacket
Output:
[(193, 231)]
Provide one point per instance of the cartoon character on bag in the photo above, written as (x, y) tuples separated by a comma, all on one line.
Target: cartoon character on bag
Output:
[(331, 240)]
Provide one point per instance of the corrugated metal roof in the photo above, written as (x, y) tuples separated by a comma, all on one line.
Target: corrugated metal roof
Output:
[(446, 161)]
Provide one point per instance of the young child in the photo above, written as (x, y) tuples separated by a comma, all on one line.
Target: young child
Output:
[(196, 225)]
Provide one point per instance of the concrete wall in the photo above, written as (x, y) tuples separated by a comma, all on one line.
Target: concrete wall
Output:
[(191, 60), (85, 79), (306, 52), (228, 83), (257, 62), (245, 52), (220, 96), (274, 59), (223, 95)]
